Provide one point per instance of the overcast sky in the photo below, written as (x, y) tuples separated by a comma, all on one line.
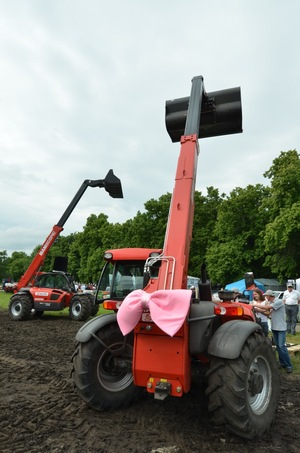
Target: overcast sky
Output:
[(83, 85)]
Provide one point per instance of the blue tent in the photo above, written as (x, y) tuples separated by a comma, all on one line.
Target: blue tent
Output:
[(241, 286)]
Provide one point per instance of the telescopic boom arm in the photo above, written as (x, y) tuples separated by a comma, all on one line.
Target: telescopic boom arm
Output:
[(112, 185), (187, 120)]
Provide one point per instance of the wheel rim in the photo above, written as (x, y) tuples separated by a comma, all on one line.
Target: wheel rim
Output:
[(76, 309), (16, 308), (259, 385), (109, 377)]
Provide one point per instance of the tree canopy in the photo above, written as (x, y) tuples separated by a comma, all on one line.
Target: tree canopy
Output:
[(256, 228)]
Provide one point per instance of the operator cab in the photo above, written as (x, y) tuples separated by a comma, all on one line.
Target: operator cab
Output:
[(55, 280), (121, 276)]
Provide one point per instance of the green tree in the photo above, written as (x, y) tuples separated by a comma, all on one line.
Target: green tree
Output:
[(147, 229), (282, 243), (94, 236), (60, 248), (4, 262), (284, 175), (19, 263), (74, 265), (282, 234), (236, 245), (206, 211)]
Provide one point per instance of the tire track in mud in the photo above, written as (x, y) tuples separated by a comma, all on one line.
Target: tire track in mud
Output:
[(41, 408), (41, 401), (40, 405), (44, 406)]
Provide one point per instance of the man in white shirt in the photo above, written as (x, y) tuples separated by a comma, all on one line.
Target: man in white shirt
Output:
[(291, 298)]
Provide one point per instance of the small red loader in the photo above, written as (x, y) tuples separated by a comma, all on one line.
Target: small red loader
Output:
[(55, 290)]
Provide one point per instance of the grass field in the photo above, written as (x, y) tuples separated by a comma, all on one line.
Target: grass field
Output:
[(4, 300), (291, 339)]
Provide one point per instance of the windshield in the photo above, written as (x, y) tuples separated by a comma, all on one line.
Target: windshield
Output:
[(119, 279), (54, 281)]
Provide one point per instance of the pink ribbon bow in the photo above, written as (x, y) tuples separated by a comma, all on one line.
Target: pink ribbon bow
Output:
[(168, 309)]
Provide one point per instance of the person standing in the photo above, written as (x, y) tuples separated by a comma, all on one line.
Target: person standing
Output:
[(278, 326), (291, 298), (259, 302)]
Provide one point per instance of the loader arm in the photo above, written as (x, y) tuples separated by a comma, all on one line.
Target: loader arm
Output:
[(181, 215), (112, 185), (39, 258), (220, 113)]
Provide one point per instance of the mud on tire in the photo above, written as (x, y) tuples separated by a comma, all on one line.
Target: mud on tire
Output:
[(20, 307), (97, 379), (95, 308), (243, 393), (80, 308)]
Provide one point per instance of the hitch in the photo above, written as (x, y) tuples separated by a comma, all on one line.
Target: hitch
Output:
[(162, 390)]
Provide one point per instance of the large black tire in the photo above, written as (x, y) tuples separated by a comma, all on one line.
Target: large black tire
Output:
[(99, 380), (80, 308), (20, 307), (95, 308), (243, 393)]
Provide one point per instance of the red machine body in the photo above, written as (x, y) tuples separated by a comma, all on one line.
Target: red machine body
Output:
[(218, 338)]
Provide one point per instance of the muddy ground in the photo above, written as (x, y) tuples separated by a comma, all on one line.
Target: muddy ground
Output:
[(39, 411)]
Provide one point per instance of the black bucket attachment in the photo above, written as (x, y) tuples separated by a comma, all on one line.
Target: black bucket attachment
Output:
[(60, 264), (112, 185), (221, 114)]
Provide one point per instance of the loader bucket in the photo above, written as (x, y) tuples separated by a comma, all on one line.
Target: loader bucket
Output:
[(221, 114), (112, 185)]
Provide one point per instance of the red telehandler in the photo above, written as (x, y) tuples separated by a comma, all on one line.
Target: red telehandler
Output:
[(136, 348), (55, 290)]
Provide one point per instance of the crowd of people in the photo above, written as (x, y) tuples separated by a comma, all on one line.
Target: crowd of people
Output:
[(281, 316), (82, 287)]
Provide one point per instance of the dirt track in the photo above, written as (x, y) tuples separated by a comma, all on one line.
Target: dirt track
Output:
[(39, 411)]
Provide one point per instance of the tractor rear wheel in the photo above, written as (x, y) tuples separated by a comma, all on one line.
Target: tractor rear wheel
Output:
[(80, 308), (102, 370), (243, 393), (20, 307)]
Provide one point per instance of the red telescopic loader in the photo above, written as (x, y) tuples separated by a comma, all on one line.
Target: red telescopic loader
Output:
[(55, 290), (146, 290)]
